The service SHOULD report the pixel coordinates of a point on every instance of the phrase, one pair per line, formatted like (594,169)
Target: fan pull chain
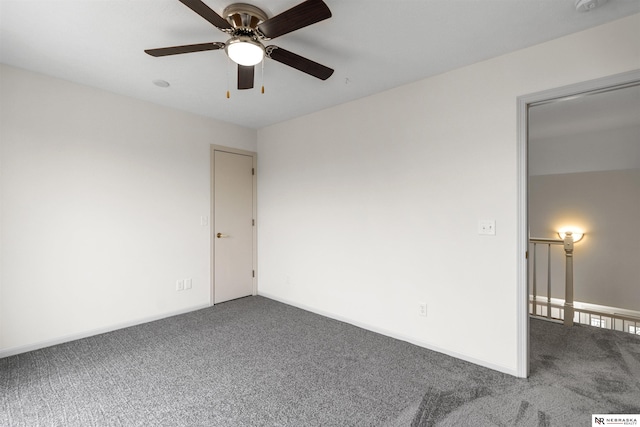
(263,76)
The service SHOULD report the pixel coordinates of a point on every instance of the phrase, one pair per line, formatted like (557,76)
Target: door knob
(220,235)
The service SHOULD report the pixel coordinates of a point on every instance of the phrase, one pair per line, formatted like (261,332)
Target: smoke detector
(587,5)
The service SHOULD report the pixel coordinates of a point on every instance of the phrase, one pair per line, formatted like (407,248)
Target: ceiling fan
(248,26)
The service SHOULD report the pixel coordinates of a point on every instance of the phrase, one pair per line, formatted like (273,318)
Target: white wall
(370,207)
(101,199)
(606,206)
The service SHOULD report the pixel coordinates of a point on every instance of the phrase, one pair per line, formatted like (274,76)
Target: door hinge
(253,222)
(253,273)
(526,255)
(253,171)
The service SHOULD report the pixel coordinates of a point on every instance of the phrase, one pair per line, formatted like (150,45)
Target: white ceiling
(373,45)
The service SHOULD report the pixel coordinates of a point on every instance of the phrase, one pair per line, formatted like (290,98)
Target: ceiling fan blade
(298,62)
(175,50)
(302,15)
(245,76)
(207,13)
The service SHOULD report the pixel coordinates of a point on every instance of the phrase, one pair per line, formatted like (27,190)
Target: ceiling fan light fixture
(245,51)
(247,27)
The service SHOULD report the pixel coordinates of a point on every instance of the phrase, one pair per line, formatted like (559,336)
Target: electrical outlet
(422,309)
(180,285)
(187,284)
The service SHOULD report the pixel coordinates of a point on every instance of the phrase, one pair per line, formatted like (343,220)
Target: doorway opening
(525,105)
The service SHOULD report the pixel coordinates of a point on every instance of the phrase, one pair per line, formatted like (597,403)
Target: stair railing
(567,244)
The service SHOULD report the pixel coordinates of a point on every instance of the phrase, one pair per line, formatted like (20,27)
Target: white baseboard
(391,334)
(72,337)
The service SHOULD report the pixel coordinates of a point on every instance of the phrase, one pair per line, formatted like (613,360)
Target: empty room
(318,213)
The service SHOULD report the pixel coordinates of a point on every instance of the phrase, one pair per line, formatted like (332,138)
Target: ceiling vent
(587,5)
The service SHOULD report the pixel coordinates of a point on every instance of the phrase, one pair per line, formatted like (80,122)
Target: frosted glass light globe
(245,51)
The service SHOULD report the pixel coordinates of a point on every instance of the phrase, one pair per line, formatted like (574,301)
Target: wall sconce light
(577,235)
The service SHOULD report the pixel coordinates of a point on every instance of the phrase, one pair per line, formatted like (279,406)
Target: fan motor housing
(244,15)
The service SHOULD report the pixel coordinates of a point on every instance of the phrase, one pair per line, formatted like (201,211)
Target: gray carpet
(257,362)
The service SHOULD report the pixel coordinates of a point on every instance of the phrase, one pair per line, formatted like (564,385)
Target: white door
(233,226)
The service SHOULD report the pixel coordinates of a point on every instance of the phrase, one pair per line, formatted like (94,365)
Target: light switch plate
(487,227)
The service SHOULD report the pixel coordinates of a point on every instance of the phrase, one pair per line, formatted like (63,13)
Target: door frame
(254,162)
(603,84)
